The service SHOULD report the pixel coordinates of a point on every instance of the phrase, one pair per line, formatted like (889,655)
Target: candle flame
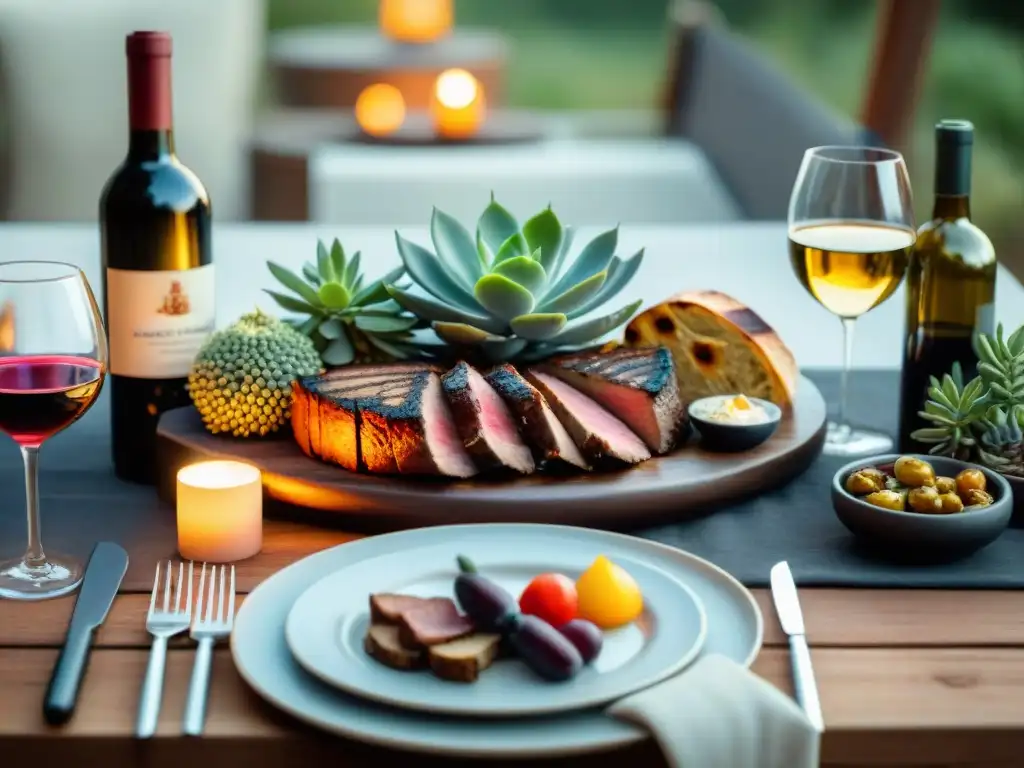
(380,109)
(218,474)
(456,88)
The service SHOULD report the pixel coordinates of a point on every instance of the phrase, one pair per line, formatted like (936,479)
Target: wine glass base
(843,440)
(59,575)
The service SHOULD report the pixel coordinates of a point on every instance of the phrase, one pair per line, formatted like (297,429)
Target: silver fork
(206,629)
(162,624)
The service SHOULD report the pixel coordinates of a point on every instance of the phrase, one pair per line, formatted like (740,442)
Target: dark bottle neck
(953,174)
(150,122)
(150,145)
(952,207)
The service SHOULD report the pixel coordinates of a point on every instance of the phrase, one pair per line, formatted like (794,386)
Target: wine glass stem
(844,382)
(34,556)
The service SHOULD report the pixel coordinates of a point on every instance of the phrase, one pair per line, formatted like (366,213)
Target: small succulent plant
(347,320)
(983,420)
(511,291)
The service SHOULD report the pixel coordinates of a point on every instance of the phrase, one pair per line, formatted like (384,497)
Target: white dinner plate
(326,627)
(263,660)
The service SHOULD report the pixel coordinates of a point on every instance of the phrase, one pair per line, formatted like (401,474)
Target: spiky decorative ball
(241,379)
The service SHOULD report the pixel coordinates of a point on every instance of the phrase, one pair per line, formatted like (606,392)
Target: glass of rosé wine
(53,358)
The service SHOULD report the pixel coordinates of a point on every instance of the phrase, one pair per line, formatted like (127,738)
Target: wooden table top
(907,677)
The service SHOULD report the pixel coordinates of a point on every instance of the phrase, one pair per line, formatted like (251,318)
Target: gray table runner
(83,502)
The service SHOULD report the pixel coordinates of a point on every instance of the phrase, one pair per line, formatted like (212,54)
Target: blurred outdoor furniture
(903,41)
(750,119)
(65,105)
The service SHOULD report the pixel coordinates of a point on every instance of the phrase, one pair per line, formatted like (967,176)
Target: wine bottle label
(156,321)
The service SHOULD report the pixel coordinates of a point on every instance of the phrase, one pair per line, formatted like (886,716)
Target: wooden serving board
(687,481)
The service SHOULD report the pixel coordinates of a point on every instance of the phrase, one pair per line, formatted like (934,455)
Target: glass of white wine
(851,231)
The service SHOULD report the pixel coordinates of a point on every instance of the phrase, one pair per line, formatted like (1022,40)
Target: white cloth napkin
(718,714)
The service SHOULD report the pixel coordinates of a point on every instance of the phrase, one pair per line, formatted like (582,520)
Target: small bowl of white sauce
(734,422)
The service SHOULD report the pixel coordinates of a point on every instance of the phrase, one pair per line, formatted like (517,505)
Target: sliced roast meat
(422,431)
(382,419)
(548,440)
(599,435)
(387,607)
(433,624)
(484,422)
(638,385)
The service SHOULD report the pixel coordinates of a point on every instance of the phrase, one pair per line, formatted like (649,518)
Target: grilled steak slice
(542,431)
(387,607)
(484,422)
(637,385)
(432,624)
(381,419)
(597,433)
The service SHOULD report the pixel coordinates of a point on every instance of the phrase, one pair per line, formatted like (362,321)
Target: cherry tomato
(551,597)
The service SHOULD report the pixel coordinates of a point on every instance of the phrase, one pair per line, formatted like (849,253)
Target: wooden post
(902,44)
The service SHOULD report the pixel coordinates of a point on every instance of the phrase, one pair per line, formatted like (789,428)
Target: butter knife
(787,605)
(107,565)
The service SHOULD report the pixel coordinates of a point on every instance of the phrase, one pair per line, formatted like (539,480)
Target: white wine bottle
(157,264)
(951,282)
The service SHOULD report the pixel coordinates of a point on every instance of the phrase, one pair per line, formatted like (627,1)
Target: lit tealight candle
(458,104)
(380,109)
(415,21)
(220,511)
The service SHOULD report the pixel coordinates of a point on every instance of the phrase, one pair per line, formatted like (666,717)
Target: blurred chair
(752,121)
(64,101)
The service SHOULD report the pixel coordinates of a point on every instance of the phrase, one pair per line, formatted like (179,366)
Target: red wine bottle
(158,292)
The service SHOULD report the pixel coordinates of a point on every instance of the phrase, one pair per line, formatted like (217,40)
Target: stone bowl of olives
(922,507)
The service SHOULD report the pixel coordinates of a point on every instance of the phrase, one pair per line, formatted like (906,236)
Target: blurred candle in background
(380,109)
(220,511)
(415,21)
(458,104)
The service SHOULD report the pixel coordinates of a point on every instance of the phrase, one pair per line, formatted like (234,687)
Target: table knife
(107,565)
(787,605)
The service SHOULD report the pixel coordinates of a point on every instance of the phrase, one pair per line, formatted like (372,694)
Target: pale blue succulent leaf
(331,328)
(595,257)
(384,323)
(324,265)
(351,271)
(495,226)
(292,304)
(538,326)
(290,280)
(431,309)
(524,271)
(463,334)
(555,269)
(430,274)
(594,329)
(510,249)
(544,232)
(455,248)
(338,261)
(309,272)
(503,351)
(576,296)
(503,298)
(376,292)
(619,274)
(484,253)
(339,351)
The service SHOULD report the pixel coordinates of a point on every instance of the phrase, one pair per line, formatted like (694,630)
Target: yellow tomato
(608,596)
